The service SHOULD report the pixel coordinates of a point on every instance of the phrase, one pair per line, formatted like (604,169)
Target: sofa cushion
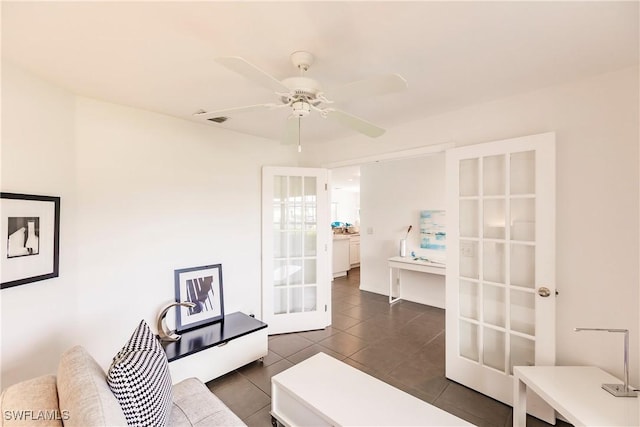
(139,378)
(83,391)
(31,403)
(194,405)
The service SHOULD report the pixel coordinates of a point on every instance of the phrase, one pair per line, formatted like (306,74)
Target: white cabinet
(210,351)
(340,255)
(346,253)
(354,251)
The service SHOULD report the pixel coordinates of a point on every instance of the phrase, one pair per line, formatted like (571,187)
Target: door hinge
(326,186)
(325,307)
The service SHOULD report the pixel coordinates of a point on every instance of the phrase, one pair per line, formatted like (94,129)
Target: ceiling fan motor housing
(302,87)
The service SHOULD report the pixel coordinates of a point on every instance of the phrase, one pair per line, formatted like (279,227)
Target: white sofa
(79,395)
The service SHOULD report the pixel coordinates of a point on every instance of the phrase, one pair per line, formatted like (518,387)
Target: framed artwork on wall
(30,229)
(203,287)
(433,233)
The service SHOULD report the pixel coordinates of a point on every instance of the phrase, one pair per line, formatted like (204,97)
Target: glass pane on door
(523,316)
(523,352)
(523,272)
(296,300)
(469,300)
(494,262)
(494,305)
(280,301)
(469,218)
(469,259)
(310,298)
(523,221)
(469,343)
(493,182)
(469,170)
(494,219)
(493,349)
(522,173)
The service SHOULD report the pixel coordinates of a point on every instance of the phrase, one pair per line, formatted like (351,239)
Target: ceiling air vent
(220,119)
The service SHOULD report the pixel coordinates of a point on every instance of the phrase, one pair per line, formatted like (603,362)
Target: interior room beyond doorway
(384,198)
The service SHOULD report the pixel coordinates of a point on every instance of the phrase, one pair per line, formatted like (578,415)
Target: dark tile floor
(402,344)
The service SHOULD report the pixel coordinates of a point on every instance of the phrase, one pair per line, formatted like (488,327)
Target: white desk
(576,393)
(322,391)
(409,263)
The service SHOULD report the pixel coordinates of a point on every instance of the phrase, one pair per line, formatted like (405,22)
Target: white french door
(500,285)
(296,231)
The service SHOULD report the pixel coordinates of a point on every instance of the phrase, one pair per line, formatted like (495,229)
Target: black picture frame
(202,286)
(30,229)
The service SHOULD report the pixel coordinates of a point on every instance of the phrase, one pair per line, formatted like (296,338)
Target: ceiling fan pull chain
(299,145)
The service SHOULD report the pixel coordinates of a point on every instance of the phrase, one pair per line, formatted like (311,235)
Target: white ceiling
(159,56)
(346,178)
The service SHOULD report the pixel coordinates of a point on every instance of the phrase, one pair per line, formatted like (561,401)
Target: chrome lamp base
(619,390)
(163,333)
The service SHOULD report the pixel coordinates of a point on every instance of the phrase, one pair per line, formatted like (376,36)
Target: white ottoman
(322,391)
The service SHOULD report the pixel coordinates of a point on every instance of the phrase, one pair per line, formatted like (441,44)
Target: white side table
(576,393)
(408,263)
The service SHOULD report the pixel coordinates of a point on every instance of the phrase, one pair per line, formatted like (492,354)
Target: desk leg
(391,298)
(519,403)
(390,285)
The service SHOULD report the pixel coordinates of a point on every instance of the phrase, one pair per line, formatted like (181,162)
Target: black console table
(213,350)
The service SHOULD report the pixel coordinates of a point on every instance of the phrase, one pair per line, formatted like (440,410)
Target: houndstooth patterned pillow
(139,378)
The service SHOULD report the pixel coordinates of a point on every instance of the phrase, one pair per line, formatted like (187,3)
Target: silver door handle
(544,292)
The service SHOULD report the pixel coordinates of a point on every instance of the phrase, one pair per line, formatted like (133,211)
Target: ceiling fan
(304,96)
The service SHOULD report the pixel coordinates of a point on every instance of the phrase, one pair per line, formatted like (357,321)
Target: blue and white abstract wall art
(433,233)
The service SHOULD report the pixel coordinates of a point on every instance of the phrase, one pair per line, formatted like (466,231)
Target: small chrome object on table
(162,325)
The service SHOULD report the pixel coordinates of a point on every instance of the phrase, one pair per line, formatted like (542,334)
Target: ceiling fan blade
(378,85)
(355,123)
(291,131)
(253,73)
(233,111)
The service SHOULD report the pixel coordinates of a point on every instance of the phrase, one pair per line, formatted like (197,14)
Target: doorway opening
(345,220)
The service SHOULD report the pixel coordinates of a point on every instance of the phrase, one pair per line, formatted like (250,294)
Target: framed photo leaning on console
(203,287)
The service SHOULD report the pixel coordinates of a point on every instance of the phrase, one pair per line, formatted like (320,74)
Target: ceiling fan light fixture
(300,108)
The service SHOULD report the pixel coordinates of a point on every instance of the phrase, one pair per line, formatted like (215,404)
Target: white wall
(392,195)
(38,122)
(596,121)
(142,194)
(348,205)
